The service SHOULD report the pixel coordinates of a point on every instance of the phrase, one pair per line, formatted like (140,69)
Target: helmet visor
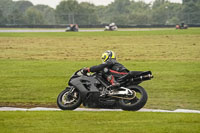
(104,57)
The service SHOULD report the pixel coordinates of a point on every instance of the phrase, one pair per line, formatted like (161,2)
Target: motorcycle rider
(111,26)
(73,27)
(111,69)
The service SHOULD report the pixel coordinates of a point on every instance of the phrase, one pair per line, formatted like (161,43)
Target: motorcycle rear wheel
(136,103)
(69,99)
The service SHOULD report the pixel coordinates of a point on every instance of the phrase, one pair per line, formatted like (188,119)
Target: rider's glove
(85,71)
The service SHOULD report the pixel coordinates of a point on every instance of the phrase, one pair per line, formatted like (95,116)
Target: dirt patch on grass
(158,47)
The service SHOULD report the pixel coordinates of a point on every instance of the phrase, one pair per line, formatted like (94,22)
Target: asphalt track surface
(81,30)
(90,109)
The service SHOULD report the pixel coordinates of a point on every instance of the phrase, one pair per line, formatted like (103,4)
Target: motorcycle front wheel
(137,102)
(69,99)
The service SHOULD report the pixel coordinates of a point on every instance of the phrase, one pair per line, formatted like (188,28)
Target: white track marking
(90,109)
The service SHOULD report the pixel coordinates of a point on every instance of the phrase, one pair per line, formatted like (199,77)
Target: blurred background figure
(111,27)
(72,27)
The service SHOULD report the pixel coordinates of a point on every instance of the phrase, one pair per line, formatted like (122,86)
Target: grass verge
(101,122)
(38,83)
(34,67)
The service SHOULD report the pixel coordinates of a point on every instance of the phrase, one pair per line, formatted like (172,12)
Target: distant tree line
(122,12)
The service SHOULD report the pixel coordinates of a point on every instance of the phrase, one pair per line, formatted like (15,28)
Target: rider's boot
(114,86)
(114,83)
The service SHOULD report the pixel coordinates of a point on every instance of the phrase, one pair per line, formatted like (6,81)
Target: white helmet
(112,24)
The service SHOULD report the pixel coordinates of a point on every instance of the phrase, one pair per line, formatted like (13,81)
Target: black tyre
(69,99)
(136,103)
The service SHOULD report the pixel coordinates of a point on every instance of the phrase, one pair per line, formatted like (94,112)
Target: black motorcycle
(94,91)
(73,27)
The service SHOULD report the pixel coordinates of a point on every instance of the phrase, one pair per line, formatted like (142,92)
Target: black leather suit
(111,70)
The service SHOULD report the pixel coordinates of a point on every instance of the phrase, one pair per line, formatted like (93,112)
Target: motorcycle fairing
(85,85)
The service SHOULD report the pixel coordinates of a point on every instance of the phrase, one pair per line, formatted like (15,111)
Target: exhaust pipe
(146,75)
(143,77)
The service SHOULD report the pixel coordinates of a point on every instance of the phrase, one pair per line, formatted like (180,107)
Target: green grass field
(98,122)
(35,68)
